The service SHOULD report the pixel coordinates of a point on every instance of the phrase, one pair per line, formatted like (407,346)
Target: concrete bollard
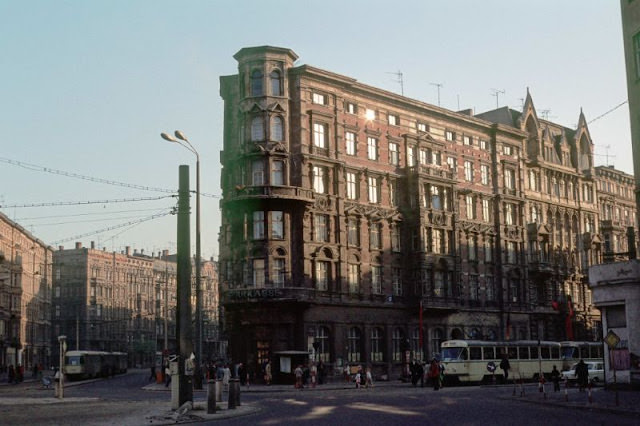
(219,390)
(232,393)
(211,397)
(236,384)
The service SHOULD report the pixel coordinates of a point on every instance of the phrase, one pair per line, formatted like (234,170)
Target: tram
(89,364)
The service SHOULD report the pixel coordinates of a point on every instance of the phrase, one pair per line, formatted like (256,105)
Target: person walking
(267,374)
(555,378)
(153,373)
(505,366)
(298,374)
(226,376)
(167,376)
(313,371)
(368,382)
(582,374)
(434,374)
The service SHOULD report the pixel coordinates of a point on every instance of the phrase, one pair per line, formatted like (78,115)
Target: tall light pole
(182,140)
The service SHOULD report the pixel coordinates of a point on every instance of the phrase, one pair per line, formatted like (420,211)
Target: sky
(87,87)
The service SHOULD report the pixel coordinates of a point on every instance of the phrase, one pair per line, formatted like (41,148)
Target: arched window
(355,344)
(257,129)
(396,341)
(377,347)
(416,349)
(322,340)
(436,340)
(276,83)
(276,129)
(256,83)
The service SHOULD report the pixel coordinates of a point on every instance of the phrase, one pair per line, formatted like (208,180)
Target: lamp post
(182,140)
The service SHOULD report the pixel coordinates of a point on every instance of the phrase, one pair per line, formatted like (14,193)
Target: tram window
(596,352)
(513,353)
(523,353)
(534,352)
(555,353)
(584,352)
(544,351)
(489,353)
(475,353)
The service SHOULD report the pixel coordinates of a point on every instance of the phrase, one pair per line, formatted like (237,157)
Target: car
(596,372)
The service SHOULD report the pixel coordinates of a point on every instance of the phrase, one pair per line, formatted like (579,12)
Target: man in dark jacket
(582,374)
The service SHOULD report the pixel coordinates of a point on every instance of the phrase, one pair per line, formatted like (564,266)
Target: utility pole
(183,307)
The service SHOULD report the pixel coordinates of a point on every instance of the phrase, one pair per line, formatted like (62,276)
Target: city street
(118,400)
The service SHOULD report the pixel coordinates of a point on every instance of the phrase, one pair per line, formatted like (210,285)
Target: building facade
(25,297)
(360,225)
(122,302)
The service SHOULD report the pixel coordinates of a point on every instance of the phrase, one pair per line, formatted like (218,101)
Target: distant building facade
(25,297)
(360,225)
(121,301)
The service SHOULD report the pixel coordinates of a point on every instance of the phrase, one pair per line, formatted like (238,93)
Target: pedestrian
(368,378)
(226,376)
(505,366)
(345,373)
(413,368)
(298,373)
(152,377)
(321,372)
(358,378)
(167,376)
(434,374)
(441,375)
(420,373)
(555,378)
(314,374)
(242,374)
(12,374)
(582,374)
(267,373)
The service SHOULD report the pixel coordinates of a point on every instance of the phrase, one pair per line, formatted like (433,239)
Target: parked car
(596,372)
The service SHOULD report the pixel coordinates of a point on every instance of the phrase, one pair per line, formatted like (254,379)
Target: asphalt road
(107,402)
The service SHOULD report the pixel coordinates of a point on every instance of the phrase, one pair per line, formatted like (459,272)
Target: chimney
(165,253)
(78,245)
(93,245)
(127,250)
(60,248)
(141,252)
(135,252)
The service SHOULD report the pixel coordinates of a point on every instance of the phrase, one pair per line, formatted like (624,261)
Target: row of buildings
(358,224)
(100,300)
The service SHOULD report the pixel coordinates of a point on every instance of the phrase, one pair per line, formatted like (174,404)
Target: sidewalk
(628,401)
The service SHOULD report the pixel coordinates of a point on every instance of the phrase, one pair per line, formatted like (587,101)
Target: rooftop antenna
(399,79)
(497,93)
(606,155)
(521,104)
(544,113)
(438,85)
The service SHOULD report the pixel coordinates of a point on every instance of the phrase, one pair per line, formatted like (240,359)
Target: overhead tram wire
(43,169)
(81,203)
(18,219)
(111,228)
(608,112)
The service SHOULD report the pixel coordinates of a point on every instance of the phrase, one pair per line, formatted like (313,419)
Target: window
(471,208)
(320,135)
(484,174)
(321,227)
(437,241)
(322,339)
(395,238)
(277,225)
(472,248)
(393,194)
(507,150)
(258,225)
(396,281)
(376,344)
(352,186)
(510,179)
(375,236)
(354,343)
(411,156)
(372,148)
(436,158)
(256,83)
(449,135)
(374,190)
(424,157)
(394,155)
(319,179)
(467,140)
(277,273)
(509,214)
(474,288)
(353,232)
(468,171)
(394,120)
(257,129)
(277,172)
(453,164)
(488,251)
(423,127)
(370,114)
(416,349)
(319,98)
(276,83)
(350,139)
(258,273)
(376,279)
(616,316)
(353,277)
(483,144)
(276,129)
(489,290)
(322,275)
(397,340)
(486,212)
(351,108)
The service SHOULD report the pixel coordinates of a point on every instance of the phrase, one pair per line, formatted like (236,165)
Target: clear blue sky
(86,87)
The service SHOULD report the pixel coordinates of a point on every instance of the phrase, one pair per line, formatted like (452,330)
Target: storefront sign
(254,293)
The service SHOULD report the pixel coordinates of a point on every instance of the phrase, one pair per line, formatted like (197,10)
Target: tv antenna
(399,79)
(606,155)
(438,85)
(544,113)
(497,93)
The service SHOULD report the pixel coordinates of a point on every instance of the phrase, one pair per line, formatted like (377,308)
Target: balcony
(432,170)
(241,192)
(270,294)
(612,225)
(440,304)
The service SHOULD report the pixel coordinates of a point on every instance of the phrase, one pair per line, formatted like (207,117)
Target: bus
(477,361)
(572,352)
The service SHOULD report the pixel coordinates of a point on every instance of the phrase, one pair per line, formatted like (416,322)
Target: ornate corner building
(358,223)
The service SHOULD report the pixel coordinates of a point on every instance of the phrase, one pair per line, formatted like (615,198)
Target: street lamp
(182,140)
